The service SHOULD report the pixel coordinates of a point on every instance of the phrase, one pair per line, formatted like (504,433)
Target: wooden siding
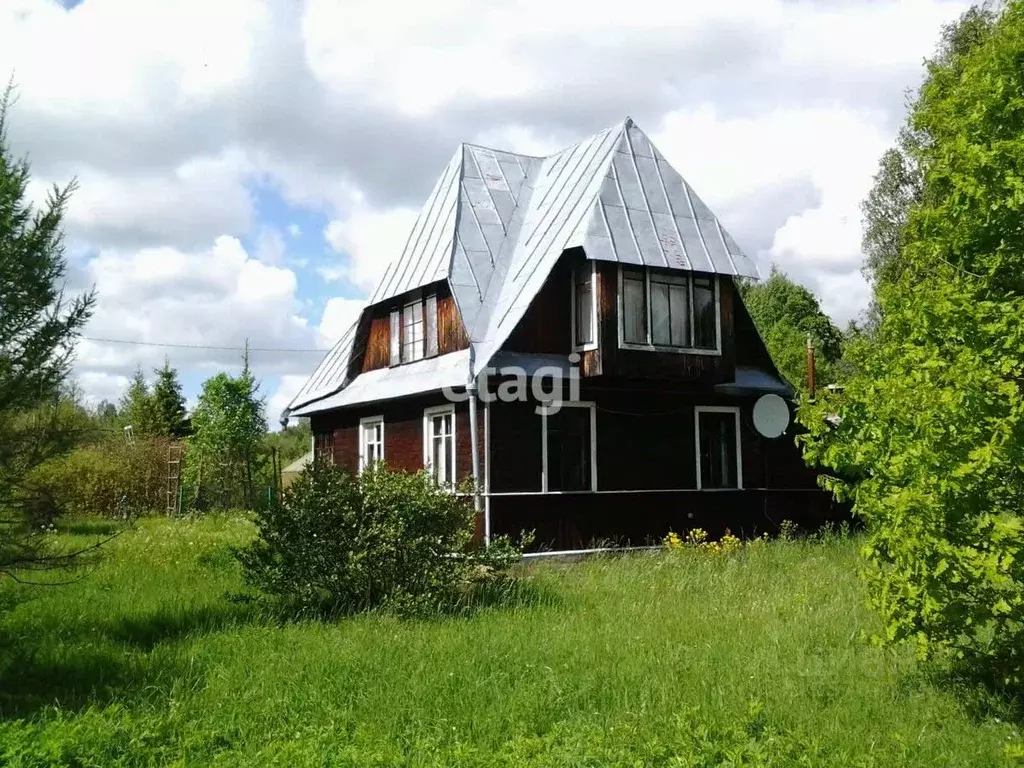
(645,441)
(403,434)
(377,344)
(451,331)
(546,327)
(646,364)
(578,521)
(372,349)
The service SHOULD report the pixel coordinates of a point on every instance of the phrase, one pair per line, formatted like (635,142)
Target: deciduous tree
(930,441)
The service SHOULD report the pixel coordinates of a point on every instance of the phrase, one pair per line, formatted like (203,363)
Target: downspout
(471,390)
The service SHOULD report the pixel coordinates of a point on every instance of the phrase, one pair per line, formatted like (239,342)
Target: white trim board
(544,445)
(735,410)
(428,413)
(363,423)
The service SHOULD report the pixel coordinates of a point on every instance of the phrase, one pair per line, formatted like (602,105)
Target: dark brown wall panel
(378,344)
(403,434)
(451,332)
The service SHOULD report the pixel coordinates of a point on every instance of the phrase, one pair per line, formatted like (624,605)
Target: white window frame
(593,305)
(428,414)
(544,445)
(363,424)
(651,347)
(733,409)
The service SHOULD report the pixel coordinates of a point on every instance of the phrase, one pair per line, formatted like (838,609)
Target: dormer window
(584,307)
(668,311)
(414,330)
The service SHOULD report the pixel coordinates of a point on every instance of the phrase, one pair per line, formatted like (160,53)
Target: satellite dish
(771,415)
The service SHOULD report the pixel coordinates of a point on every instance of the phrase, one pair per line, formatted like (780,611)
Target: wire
(197,346)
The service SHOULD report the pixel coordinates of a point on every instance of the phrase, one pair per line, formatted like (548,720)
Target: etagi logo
(545,385)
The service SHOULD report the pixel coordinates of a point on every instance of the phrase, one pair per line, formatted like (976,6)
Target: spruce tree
(168,404)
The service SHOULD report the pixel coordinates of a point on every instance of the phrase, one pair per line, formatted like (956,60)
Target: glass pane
(704,333)
(680,316)
(718,450)
(584,308)
(634,310)
(569,450)
(412,332)
(659,314)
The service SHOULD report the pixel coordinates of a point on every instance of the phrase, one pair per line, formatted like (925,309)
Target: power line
(197,346)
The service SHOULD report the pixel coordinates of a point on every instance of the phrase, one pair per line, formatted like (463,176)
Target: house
(566,330)
(293,471)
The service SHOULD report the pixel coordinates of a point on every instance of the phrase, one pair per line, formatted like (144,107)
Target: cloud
(288,387)
(173,113)
(196,302)
(338,315)
(371,240)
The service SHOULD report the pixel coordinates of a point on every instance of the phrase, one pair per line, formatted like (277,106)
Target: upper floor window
(414,330)
(584,307)
(672,311)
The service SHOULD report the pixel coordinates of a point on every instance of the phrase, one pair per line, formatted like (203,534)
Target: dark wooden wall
(372,349)
(403,434)
(546,327)
(577,521)
(645,441)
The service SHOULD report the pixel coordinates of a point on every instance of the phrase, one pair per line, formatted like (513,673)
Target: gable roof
(496,223)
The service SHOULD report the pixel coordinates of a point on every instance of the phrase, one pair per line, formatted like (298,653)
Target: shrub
(93,479)
(393,540)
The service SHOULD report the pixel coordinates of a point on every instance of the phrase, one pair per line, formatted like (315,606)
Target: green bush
(385,539)
(93,479)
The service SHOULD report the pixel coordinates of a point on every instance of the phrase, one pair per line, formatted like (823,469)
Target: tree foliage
(785,314)
(168,404)
(38,326)
(224,453)
(898,183)
(136,407)
(930,445)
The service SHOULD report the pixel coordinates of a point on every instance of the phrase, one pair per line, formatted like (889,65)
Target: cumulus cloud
(371,240)
(174,114)
(206,303)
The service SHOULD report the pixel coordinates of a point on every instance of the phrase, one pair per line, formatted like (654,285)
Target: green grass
(754,658)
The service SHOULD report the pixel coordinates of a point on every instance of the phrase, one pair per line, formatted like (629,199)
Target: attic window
(414,330)
(584,308)
(668,311)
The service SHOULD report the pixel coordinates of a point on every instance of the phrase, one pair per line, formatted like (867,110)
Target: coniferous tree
(137,410)
(39,323)
(168,404)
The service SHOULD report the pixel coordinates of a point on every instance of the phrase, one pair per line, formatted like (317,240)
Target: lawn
(692,659)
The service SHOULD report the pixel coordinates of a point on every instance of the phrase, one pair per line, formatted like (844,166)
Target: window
(634,306)
(584,307)
(668,311)
(323,446)
(414,332)
(569,451)
(371,441)
(719,462)
(439,443)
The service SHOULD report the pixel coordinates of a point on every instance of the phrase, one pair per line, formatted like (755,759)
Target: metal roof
(496,223)
(426,375)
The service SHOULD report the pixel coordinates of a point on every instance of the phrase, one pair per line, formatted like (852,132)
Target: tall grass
(692,659)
